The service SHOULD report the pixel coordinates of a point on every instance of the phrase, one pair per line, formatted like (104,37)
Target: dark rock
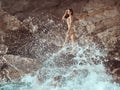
(9,22)
(3,49)
(23,65)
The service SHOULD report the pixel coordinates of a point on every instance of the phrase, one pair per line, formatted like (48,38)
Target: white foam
(87,76)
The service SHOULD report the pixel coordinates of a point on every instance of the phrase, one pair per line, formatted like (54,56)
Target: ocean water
(80,68)
(84,71)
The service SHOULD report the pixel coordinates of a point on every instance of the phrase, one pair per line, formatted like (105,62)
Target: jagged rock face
(100,23)
(23,8)
(22,66)
(103,23)
(98,26)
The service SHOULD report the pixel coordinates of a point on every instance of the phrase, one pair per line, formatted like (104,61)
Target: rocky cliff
(33,28)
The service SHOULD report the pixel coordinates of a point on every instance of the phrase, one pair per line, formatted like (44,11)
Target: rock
(12,23)
(3,49)
(22,9)
(9,22)
(110,37)
(44,34)
(2,35)
(97,22)
(90,27)
(24,66)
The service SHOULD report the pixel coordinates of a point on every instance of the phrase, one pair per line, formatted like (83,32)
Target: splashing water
(81,69)
(78,69)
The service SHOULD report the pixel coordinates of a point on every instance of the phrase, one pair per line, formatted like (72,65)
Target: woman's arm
(63,18)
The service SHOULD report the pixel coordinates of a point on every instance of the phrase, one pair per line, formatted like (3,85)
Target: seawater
(86,73)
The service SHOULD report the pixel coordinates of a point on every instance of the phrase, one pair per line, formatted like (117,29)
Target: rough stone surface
(3,49)
(8,22)
(23,65)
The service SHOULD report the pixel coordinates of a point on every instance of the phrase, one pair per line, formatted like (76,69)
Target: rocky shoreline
(23,31)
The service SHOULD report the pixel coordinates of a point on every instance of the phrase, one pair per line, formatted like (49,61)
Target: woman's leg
(73,39)
(66,38)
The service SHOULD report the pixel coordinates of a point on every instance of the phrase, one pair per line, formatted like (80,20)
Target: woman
(68,16)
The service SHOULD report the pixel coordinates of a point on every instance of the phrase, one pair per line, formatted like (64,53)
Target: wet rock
(23,65)
(2,35)
(90,27)
(44,34)
(110,36)
(100,22)
(3,49)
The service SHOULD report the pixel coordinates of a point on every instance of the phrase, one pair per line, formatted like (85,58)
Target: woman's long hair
(67,15)
(71,10)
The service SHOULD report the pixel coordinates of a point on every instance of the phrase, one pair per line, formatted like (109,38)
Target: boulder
(3,49)
(21,66)
(9,22)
